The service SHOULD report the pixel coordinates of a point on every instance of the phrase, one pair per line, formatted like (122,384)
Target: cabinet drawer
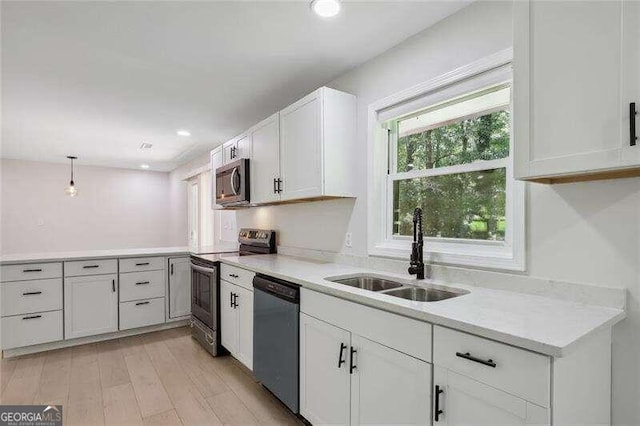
(403,334)
(141,285)
(24,297)
(90,267)
(516,371)
(237,276)
(135,264)
(30,271)
(141,313)
(25,330)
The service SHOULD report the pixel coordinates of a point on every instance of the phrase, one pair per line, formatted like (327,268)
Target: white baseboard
(9,353)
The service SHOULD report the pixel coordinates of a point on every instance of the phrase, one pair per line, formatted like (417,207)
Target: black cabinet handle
(172,269)
(340,360)
(231,300)
(31,293)
(279,185)
(234,276)
(235,301)
(32,317)
(437,411)
(142,303)
(143,282)
(113,285)
(275,185)
(467,355)
(91,266)
(632,124)
(32,270)
(142,264)
(352,366)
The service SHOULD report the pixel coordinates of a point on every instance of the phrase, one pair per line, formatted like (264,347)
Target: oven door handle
(234,173)
(201,269)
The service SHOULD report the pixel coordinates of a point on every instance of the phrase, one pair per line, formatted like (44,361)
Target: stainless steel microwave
(232,183)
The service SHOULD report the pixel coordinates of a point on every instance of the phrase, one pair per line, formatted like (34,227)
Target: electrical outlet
(347,239)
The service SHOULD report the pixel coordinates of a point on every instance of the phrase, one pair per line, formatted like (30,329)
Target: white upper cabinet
(265,162)
(237,148)
(216,161)
(575,73)
(317,139)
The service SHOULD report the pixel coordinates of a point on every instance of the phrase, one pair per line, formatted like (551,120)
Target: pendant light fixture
(71,190)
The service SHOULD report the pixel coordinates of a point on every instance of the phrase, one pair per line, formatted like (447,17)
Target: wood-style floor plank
(151,395)
(84,405)
(167,418)
(55,378)
(113,369)
(120,406)
(231,410)
(24,382)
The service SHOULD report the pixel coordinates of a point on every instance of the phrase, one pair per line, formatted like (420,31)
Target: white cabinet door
(630,80)
(90,305)
(464,401)
(244,309)
(301,148)
(228,151)
(567,88)
(179,287)
(388,387)
(265,161)
(243,147)
(216,161)
(324,372)
(228,317)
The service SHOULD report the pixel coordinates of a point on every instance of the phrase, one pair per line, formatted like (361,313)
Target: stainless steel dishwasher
(276,311)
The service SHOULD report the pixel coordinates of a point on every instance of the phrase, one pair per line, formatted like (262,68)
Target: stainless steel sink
(420,294)
(368,283)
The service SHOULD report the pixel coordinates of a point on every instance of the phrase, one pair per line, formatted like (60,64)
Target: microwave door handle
(233,181)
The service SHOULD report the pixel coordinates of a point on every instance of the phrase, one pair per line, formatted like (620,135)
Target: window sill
(485,256)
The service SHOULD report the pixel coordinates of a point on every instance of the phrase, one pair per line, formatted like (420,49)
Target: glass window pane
(458,132)
(462,205)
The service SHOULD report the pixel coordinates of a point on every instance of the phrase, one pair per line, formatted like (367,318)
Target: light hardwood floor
(161,378)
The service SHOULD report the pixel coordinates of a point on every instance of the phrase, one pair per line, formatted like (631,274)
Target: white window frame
(508,254)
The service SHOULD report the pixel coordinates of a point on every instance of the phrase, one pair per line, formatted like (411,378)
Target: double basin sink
(398,289)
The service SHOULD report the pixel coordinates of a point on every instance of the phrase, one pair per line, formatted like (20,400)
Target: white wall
(584,233)
(115,208)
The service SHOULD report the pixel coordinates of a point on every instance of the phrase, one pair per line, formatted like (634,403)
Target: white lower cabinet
(347,379)
(236,317)
(325,382)
(463,401)
(141,313)
(90,305)
(179,287)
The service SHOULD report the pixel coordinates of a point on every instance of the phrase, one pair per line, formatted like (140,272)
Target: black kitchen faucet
(416,264)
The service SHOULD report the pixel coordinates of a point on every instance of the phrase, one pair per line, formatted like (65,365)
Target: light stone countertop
(546,325)
(95,254)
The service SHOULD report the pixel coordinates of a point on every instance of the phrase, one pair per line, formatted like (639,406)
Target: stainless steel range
(205,285)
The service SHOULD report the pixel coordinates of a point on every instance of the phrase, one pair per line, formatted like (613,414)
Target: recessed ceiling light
(183,133)
(326,8)
(144,166)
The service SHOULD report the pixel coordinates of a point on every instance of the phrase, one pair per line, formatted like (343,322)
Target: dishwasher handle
(277,288)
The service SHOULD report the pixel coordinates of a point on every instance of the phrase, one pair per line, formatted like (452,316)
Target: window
(448,150)
(451,160)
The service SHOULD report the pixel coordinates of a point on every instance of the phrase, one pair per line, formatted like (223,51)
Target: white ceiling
(96,79)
